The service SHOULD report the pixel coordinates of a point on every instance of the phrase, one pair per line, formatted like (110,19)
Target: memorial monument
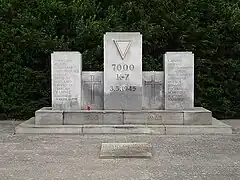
(123,98)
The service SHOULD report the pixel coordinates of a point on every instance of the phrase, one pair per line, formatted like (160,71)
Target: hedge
(31,29)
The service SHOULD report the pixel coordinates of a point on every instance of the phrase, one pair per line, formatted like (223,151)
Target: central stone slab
(123,71)
(126,150)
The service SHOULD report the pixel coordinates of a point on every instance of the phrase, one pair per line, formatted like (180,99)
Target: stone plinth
(197,116)
(216,127)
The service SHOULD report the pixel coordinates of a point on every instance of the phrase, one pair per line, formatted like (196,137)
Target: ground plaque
(179,80)
(66,80)
(126,150)
(123,71)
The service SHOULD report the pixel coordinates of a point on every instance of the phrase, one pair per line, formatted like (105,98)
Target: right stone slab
(179,80)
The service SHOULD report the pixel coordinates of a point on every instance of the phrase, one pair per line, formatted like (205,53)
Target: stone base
(197,116)
(217,127)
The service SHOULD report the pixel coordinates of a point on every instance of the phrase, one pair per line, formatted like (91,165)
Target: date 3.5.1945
(122,88)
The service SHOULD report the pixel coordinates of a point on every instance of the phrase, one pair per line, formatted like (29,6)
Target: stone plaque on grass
(123,71)
(179,80)
(66,70)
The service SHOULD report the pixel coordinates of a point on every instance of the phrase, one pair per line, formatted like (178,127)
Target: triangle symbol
(123,47)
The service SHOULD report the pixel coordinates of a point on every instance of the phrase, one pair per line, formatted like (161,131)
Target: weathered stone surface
(139,129)
(217,127)
(66,70)
(179,80)
(153,90)
(123,71)
(92,89)
(48,116)
(93,117)
(113,117)
(98,129)
(153,117)
(118,150)
(123,129)
(198,116)
(83,118)
(48,130)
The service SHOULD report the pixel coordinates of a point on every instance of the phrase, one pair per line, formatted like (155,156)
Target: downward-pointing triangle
(123,47)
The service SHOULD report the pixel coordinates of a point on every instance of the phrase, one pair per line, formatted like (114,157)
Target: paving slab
(235,123)
(126,150)
(8,126)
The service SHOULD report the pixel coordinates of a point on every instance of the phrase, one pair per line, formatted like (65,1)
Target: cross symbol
(153,85)
(93,83)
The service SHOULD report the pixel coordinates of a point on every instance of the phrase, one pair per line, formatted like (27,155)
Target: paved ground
(76,157)
(235,123)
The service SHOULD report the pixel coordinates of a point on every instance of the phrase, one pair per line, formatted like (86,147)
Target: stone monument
(66,80)
(123,99)
(179,80)
(123,71)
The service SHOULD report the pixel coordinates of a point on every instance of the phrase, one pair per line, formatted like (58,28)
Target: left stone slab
(66,68)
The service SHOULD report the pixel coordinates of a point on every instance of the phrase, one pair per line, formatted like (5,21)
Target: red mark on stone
(88,107)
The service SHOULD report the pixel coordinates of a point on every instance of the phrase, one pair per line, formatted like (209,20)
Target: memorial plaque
(66,70)
(92,89)
(153,90)
(179,80)
(123,71)
(126,150)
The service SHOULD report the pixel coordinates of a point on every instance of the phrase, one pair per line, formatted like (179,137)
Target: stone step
(196,116)
(217,127)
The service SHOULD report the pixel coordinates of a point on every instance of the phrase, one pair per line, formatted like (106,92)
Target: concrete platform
(217,127)
(196,116)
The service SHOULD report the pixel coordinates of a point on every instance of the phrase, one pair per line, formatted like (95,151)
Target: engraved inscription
(122,67)
(123,88)
(175,89)
(179,80)
(61,81)
(154,117)
(123,77)
(91,117)
(123,47)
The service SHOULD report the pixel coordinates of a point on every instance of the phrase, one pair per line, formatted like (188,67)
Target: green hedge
(31,29)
